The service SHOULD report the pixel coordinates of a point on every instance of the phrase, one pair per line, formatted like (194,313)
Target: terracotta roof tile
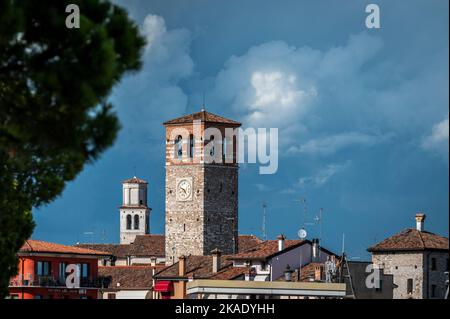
(202,116)
(229,272)
(245,242)
(411,240)
(197,267)
(130,277)
(143,245)
(148,245)
(38,246)
(266,249)
(119,251)
(154,245)
(134,180)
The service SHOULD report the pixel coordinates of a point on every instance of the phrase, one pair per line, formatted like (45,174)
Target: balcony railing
(54,282)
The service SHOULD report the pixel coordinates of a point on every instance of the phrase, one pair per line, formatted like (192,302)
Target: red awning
(163,286)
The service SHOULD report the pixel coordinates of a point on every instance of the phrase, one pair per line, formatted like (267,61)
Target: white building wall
(295,258)
(128,294)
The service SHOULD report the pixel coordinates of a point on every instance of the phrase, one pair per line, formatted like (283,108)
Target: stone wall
(221,209)
(209,219)
(416,266)
(403,266)
(435,277)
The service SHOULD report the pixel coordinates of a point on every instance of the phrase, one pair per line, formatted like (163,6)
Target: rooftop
(267,249)
(128,277)
(134,180)
(144,245)
(154,245)
(201,267)
(411,240)
(202,116)
(38,246)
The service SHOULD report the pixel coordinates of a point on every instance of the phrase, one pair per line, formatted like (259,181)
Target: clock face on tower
(184,189)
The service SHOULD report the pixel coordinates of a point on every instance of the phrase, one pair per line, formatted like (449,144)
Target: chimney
(420,219)
(182,266)
(318,273)
(281,239)
(315,249)
(216,260)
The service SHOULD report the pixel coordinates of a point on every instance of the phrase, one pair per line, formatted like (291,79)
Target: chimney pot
(281,239)
(315,249)
(182,266)
(216,253)
(420,221)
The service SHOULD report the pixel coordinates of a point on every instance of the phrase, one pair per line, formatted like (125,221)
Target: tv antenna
(302,201)
(264,230)
(90,233)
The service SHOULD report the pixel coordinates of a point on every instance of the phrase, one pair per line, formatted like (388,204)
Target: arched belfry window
(128,221)
(224,149)
(136,221)
(179,146)
(191,146)
(213,147)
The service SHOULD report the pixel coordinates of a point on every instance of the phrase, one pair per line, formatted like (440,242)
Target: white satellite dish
(302,233)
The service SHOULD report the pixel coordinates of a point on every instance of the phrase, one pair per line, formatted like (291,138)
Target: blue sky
(362,116)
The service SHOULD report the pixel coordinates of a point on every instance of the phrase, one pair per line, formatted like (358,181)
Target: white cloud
(154,95)
(262,187)
(320,178)
(323,175)
(166,55)
(333,143)
(437,141)
(277,85)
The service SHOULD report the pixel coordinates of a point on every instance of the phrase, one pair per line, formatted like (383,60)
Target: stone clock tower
(201,194)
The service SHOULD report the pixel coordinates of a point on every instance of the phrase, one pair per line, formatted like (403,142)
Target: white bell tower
(134,212)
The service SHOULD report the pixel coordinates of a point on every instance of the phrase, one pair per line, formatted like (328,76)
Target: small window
(85,271)
(128,221)
(136,221)
(62,271)
(184,227)
(43,268)
(409,286)
(111,296)
(433,264)
(433,291)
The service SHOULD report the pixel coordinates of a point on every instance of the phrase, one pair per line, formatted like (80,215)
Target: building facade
(134,211)
(42,272)
(201,186)
(417,259)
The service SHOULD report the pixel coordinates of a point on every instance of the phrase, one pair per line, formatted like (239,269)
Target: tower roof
(203,116)
(411,240)
(134,180)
